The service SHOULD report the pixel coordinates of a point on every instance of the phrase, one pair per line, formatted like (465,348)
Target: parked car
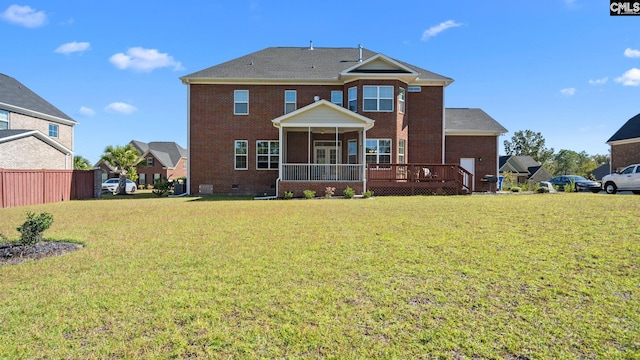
(111,185)
(580,183)
(627,179)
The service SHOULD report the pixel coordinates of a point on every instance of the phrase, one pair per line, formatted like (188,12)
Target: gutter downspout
(188,137)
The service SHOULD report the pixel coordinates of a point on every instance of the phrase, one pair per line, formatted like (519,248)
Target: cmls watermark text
(617,8)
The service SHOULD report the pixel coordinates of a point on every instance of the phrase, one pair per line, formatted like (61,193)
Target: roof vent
(310,44)
(316,98)
(359,52)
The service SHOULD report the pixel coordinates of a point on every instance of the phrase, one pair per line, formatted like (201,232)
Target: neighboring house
(33,133)
(161,160)
(601,171)
(625,144)
(524,169)
(289,119)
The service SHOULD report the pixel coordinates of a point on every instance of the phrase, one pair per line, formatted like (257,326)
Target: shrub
(542,190)
(348,193)
(329,191)
(367,194)
(309,194)
(288,195)
(32,229)
(515,189)
(161,187)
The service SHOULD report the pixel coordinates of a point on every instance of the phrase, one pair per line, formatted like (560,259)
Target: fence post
(97,183)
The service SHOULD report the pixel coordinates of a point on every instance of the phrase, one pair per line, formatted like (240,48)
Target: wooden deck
(418,179)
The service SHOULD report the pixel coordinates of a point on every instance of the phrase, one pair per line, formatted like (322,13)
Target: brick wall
(476,147)
(424,121)
(625,154)
(23,122)
(32,153)
(298,188)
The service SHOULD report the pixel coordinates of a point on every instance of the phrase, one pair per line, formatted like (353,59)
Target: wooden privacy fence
(33,187)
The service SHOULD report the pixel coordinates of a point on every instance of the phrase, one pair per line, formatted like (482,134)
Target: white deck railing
(318,172)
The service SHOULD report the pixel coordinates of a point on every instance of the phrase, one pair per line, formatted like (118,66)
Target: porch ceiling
(323,114)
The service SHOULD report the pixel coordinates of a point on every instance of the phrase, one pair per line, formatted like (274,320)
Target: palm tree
(80,163)
(122,158)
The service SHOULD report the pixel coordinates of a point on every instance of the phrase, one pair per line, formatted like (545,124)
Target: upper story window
(290,102)
(377,98)
(267,154)
(336,97)
(401,97)
(241,152)
(53,130)
(241,102)
(4,120)
(149,161)
(353,99)
(378,151)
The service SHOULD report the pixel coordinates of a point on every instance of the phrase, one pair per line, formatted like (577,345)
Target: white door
(469,164)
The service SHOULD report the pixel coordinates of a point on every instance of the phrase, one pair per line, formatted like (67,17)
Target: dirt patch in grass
(17,253)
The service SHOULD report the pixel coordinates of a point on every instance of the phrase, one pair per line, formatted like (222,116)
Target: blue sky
(564,68)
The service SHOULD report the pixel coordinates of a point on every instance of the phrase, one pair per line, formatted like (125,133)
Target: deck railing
(420,175)
(321,172)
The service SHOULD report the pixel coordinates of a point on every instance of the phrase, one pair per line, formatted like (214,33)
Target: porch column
(282,153)
(363,155)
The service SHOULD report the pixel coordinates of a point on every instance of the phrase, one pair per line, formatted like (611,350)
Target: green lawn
(537,276)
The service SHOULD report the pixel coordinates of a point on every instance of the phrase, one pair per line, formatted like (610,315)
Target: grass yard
(553,276)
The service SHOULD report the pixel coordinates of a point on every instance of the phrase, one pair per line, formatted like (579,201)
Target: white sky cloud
(435,30)
(631,53)
(141,59)
(630,78)
(72,47)
(24,16)
(85,111)
(121,108)
(599,81)
(568,91)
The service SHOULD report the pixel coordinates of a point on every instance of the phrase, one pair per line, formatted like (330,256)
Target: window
(401,151)
(401,96)
(353,99)
(378,151)
(241,153)
(156,178)
(241,102)
(289,101)
(4,120)
(142,179)
(353,151)
(414,89)
(336,97)
(377,98)
(267,154)
(149,161)
(53,130)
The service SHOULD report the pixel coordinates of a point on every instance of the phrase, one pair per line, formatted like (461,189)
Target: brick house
(625,144)
(289,119)
(33,133)
(161,160)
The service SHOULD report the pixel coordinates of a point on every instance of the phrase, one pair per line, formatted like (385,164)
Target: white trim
(444,124)
(235,142)
(40,136)
(624,141)
(189,139)
(461,132)
(240,102)
(378,98)
(365,121)
(295,102)
(268,155)
(23,111)
(347,72)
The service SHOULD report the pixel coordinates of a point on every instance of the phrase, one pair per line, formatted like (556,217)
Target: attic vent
(310,44)
(359,52)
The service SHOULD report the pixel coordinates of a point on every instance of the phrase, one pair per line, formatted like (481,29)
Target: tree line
(528,142)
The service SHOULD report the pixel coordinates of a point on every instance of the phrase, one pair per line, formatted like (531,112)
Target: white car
(111,185)
(626,180)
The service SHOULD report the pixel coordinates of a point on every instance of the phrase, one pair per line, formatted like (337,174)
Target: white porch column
(281,150)
(364,159)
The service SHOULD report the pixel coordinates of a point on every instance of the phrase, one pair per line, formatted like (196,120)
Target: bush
(309,194)
(161,187)
(32,229)
(288,195)
(329,191)
(367,194)
(542,190)
(515,189)
(348,193)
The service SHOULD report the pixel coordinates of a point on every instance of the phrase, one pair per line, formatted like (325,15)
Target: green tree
(566,162)
(601,158)
(529,143)
(80,163)
(123,159)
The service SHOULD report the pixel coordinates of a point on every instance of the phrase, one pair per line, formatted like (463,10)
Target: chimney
(359,52)
(310,44)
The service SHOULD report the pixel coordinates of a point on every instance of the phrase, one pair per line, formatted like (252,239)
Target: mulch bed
(15,253)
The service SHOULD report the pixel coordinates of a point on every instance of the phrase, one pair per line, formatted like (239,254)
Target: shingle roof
(630,130)
(297,63)
(168,153)
(8,133)
(14,93)
(469,119)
